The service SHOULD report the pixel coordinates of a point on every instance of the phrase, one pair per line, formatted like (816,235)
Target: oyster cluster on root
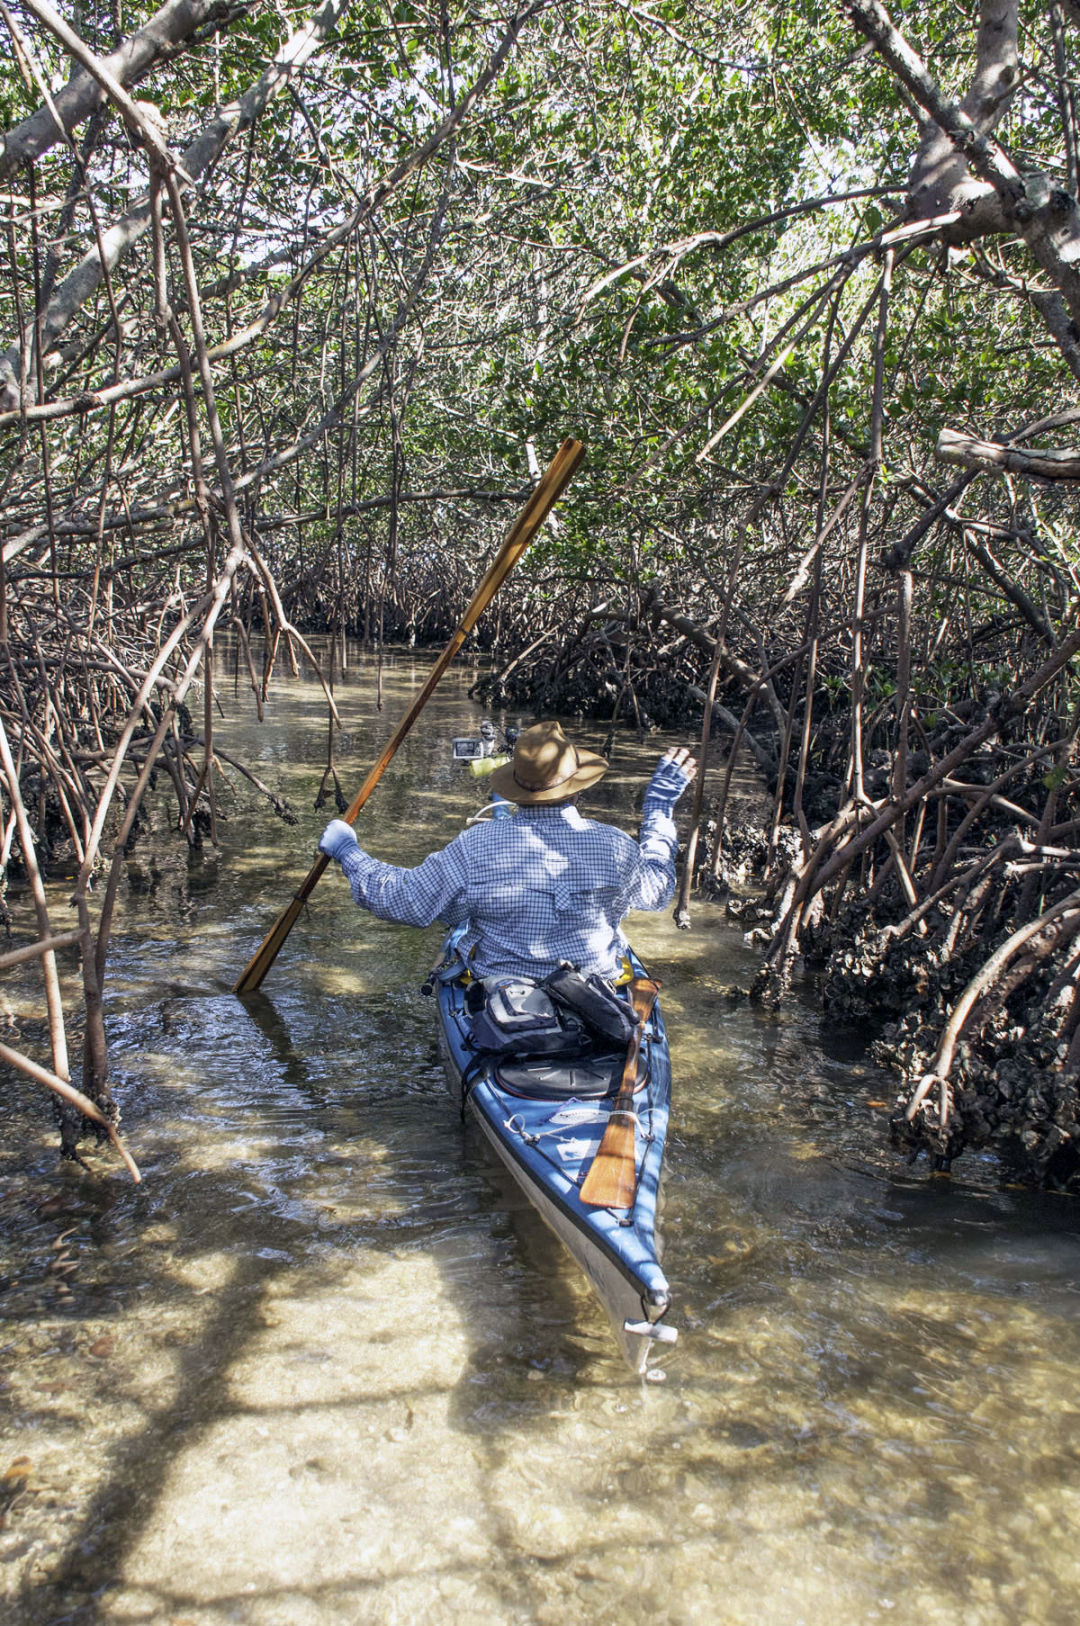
(1006,1092)
(1008,1079)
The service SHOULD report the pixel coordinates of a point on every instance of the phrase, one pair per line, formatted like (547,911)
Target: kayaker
(544,886)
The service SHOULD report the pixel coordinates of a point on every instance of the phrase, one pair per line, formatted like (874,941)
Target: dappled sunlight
(328,1462)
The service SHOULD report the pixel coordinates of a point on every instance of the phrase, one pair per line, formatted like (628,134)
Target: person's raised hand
(675,770)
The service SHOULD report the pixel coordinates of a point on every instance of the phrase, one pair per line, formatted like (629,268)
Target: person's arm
(654,882)
(433,890)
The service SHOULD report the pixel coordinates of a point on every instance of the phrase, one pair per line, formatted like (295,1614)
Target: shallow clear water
(325,1365)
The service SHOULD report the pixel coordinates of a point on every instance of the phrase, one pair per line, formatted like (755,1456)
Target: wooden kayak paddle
(518,537)
(612,1178)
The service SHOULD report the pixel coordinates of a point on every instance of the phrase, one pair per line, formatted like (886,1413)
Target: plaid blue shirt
(543,886)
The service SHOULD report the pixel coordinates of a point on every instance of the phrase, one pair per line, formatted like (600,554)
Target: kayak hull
(547,1138)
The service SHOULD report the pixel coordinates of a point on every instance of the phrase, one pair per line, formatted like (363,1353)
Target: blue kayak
(545,1118)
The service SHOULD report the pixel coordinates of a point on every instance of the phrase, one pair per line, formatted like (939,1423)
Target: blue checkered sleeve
(659,843)
(434,890)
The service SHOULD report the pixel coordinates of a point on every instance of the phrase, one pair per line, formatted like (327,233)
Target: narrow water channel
(325,1365)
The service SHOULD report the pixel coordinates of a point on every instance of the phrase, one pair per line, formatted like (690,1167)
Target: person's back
(548,885)
(543,886)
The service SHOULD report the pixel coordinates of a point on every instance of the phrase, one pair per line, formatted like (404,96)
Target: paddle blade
(267,952)
(612,1178)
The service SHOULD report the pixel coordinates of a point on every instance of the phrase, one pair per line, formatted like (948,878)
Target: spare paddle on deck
(612,1178)
(518,537)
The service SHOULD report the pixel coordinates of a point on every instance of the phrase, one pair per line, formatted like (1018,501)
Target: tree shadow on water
(300,1293)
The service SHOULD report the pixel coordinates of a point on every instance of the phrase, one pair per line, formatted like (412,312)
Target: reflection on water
(326,1366)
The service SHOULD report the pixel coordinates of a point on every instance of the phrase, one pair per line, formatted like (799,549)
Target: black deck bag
(594,1002)
(515,1016)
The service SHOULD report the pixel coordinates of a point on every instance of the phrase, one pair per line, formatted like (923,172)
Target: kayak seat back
(557,1078)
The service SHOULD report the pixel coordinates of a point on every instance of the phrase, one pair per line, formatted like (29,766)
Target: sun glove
(337,839)
(665,787)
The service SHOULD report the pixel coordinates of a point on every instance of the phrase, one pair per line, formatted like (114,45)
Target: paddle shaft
(518,537)
(612,1178)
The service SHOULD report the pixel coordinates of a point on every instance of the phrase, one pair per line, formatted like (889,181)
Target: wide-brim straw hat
(547,768)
